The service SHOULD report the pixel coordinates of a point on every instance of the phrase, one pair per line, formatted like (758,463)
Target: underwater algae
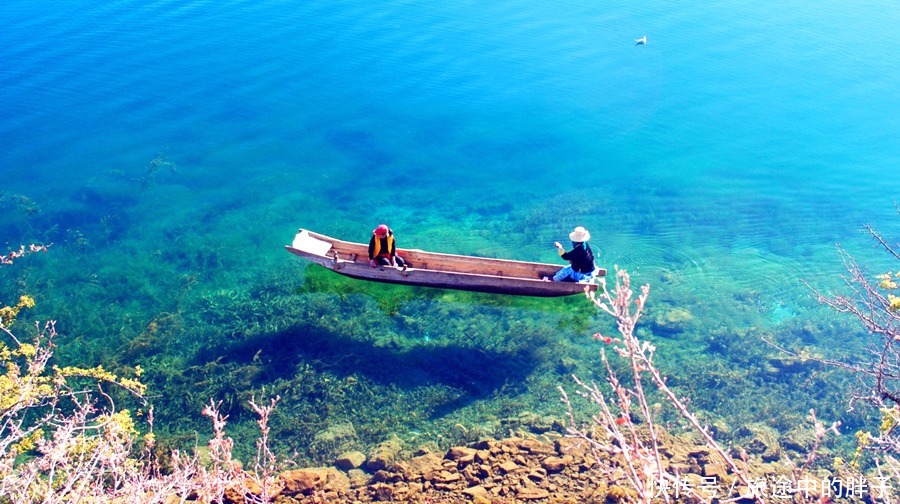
(428,365)
(425,364)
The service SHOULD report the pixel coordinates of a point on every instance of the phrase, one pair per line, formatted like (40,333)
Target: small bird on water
(641,41)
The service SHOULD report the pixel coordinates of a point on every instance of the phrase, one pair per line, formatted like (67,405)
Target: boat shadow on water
(476,373)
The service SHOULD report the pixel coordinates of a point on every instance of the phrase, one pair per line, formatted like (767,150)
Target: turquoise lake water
(170,150)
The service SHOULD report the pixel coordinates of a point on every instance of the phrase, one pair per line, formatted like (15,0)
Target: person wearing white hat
(581,258)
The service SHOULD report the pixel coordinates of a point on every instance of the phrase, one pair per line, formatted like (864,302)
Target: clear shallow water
(729,155)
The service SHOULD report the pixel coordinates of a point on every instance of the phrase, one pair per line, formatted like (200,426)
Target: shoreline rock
(515,470)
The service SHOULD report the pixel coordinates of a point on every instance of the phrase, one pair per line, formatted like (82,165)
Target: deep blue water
(747,110)
(735,149)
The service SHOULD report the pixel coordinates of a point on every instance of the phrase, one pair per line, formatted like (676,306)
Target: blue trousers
(568,274)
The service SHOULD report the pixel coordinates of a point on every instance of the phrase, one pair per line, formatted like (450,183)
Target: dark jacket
(581,257)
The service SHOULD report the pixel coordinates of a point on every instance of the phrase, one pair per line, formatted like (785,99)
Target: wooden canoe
(431,269)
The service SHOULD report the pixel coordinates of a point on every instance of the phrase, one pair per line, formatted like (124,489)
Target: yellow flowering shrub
(893,303)
(25,382)
(8,314)
(887,281)
(98,373)
(28,443)
(889,418)
(863,440)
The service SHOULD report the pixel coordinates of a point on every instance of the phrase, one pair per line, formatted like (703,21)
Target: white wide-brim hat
(580,235)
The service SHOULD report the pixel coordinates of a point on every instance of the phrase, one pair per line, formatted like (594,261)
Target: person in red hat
(383,248)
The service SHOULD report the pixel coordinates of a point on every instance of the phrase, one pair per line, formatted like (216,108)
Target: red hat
(382,229)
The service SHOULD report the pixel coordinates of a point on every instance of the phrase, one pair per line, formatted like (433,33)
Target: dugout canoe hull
(433,269)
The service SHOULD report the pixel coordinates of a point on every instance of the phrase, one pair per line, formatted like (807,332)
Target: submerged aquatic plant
(159,163)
